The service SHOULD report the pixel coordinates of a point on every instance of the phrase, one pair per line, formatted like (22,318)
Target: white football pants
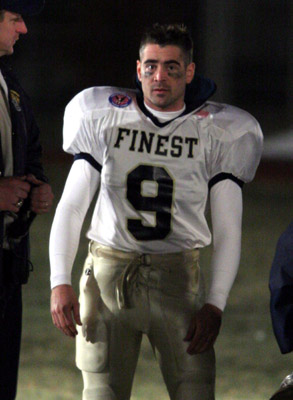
(125,295)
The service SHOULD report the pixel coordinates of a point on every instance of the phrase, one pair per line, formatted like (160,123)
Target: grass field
(249,364)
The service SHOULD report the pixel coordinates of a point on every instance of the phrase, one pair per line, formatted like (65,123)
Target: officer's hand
(41,196)
(204,329)
(13,190)
(65,309)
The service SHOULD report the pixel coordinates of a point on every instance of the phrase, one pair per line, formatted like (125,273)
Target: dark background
(245,46)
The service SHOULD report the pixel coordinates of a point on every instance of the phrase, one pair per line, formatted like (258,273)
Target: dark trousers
(10,338)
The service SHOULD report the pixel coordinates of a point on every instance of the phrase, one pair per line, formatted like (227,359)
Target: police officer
(24,191)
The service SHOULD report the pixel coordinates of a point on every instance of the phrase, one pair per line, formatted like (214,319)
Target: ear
(138,69)
(190,70)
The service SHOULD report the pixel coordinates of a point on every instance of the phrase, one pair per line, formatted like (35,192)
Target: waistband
(97,249)
(133,262)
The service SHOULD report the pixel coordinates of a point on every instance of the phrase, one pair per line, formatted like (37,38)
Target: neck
(164,116)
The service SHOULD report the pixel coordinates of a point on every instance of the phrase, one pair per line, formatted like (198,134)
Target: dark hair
(164,35)
(2,12)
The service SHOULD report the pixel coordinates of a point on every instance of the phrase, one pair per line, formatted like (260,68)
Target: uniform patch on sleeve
(15,99)
(120,100)
(202,114)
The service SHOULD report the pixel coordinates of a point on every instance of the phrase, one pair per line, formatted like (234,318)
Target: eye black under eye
(173,67)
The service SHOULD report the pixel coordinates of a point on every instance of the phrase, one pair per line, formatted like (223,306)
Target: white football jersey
(155,178)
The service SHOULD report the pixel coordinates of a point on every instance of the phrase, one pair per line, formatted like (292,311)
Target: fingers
(13,207)
(62,319)
(42,198)
(13,190)
(19,188)
(202,340)
(196,336)
(32,179)
(204,329)
(40,207)
(41,195)
(65,310)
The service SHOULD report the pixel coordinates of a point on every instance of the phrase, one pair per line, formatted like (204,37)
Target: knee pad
(92,340)
(102,393)
(96,387)
(92,349)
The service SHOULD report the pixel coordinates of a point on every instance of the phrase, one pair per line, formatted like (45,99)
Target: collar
(196,94)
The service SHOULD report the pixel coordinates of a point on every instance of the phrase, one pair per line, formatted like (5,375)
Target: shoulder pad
(102,97)
(236,139)
(232,121)
(88,107)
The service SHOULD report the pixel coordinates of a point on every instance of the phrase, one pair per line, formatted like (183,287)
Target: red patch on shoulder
(120,100)
(202,113)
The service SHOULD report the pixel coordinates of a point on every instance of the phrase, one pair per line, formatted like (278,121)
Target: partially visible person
(24,191)
(281,288)
(281,303)
(285,391)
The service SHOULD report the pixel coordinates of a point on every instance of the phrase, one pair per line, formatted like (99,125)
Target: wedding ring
(19,203)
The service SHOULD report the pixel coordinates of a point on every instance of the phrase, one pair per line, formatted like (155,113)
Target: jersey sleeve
(82,120)
(236,146)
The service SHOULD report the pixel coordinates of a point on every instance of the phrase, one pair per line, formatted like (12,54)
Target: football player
(155,156)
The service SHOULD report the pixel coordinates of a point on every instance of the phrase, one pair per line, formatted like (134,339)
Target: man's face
(11,27)
(164,75)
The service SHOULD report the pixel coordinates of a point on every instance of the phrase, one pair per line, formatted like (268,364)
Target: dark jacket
(26,159)
(281,287)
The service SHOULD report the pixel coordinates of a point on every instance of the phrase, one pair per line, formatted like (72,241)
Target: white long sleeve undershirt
(226,213)
(81,185)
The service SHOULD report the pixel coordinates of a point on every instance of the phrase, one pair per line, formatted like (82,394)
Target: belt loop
(93,248)
(90,247)
(145,259)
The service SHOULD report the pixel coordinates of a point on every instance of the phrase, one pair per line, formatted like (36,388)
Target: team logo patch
(120,100)
(88,271)
(15,99)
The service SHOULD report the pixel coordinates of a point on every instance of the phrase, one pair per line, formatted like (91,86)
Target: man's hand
(204,329)
(12,191)
(41,196)
(65,309)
